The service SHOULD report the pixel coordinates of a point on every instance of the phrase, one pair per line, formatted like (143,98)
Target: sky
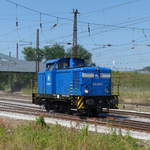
(119,34)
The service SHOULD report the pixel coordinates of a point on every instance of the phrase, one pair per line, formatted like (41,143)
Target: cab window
(50,66)
(62,65)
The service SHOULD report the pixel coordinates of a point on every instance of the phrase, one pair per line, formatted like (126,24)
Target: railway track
(105,121)
(19,105)
(131,113)
(135,104)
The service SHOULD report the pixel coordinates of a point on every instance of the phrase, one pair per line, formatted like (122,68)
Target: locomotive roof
(61,59)
(52,61)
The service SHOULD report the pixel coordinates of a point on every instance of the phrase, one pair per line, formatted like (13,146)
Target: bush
(40,121)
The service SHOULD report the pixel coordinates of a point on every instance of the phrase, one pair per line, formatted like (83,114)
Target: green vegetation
(40,121)
(147,69)
(26,91)
(82,53)
(134,87)
(11,81)
(56,51)
(35,136)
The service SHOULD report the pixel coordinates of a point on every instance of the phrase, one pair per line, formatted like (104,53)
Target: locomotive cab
(64,63)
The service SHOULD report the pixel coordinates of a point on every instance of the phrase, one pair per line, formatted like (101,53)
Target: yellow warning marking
(79,100)
(81,106)
(80,103)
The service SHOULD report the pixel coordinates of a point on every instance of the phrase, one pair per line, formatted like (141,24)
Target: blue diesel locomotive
(68,84)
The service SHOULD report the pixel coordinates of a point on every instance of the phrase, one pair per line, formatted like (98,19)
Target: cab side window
(65,65)
(50,67)
(62,65)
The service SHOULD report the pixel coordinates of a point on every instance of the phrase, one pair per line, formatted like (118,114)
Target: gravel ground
(17,95)
(138,108)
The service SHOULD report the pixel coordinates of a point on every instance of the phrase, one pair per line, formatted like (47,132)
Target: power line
(36,11)
(116,26)
(125,56)
(85,31)
(68,19)
(138,19)
(83,22)
(119,45)
(111,7)
(104,31)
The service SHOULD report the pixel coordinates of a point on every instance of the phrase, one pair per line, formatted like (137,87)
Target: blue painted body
(68,76)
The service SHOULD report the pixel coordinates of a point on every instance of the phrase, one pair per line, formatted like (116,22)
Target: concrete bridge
(11,64)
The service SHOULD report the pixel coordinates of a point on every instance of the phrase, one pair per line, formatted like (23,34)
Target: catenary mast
(74,43)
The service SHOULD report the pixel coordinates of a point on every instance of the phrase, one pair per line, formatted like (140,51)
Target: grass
(134,87)
(27,91)
(35,136)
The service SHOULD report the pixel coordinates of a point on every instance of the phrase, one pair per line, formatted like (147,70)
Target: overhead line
(68,19)
(122,4)
(36,11)
(111,7)
(85,31)
(107,30)
(116,26)
(123,44)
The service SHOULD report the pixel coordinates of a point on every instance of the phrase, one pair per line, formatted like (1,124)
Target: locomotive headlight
(86,91)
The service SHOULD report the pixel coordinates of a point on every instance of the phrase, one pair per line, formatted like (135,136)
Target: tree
(56,51)
(82,53)
(146,69)
(30,54)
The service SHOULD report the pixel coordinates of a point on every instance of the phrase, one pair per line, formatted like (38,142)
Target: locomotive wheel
(62,107)
(55,106)
(91,108)
(92,112)
(59,108)
(47,106)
